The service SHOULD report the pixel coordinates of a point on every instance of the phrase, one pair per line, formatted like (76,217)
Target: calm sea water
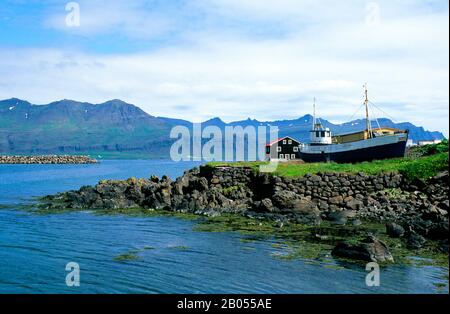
(34,249)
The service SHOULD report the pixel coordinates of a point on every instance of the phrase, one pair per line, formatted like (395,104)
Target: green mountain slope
(116,128)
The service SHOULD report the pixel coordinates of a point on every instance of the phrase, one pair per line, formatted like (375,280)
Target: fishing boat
(366,145)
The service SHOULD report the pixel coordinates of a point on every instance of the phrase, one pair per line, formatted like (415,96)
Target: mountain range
(121,129)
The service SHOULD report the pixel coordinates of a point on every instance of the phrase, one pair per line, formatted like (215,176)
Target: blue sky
(235,59)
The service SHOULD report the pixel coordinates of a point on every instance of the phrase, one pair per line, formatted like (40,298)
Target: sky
(232,59)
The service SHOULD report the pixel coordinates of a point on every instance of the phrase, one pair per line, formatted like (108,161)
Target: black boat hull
(392,150)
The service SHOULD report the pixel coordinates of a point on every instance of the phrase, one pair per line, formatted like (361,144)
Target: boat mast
(314,114)
(366,103)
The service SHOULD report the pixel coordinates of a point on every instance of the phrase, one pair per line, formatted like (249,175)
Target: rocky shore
(53,159)
(415,212)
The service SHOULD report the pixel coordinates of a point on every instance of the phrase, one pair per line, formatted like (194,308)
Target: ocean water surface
(172,258)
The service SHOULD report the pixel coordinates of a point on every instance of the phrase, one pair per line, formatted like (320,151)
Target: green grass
(427,150)
(229,190)
(420,168)
(425,167)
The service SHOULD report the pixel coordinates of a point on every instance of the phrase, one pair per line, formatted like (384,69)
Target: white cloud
(135,19)
(325,50)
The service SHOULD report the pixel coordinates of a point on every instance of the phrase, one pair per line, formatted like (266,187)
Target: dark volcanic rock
(370,249)
(304,206)
(336,200)
(285,199)
(337,217)
(266,205)
(443,246)
(394,230)
(419,207)
(354,204)
(415,241)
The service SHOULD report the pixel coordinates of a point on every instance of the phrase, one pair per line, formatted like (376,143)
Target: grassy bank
(413,168)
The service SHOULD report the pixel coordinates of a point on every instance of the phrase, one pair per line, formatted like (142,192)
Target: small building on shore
(286,148)
(410,143)
(428,142)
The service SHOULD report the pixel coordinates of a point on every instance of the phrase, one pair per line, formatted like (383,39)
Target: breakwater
(47,159)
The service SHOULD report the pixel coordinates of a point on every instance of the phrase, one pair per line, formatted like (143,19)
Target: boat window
(322,134)
(317,134)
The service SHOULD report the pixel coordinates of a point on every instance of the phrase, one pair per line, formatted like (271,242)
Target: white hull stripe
(344,147)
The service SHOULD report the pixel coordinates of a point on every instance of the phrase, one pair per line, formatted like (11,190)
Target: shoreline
(47,159)
(326,209)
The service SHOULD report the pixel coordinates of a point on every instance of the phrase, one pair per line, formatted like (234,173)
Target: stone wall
(337,197)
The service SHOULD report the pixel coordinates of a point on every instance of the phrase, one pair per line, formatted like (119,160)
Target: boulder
(285,199)
(394,230)
(356,222)
(166,196)
(181,183)
(415,241)
(443,246)
(266,205)
(370,249)
(304,206)
(354,204)
(154,179)
(336,200)
(215,180)
(341,217)
(337,218)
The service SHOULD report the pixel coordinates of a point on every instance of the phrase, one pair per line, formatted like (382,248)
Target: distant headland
(53,159)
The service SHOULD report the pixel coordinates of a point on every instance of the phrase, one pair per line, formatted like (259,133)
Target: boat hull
(384,151)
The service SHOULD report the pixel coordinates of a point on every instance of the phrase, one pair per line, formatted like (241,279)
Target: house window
(284,141)
(281,156)
(292,156)
(295,149)
(278,149)
(289,142)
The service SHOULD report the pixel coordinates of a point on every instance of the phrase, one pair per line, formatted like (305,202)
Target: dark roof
(282,138)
